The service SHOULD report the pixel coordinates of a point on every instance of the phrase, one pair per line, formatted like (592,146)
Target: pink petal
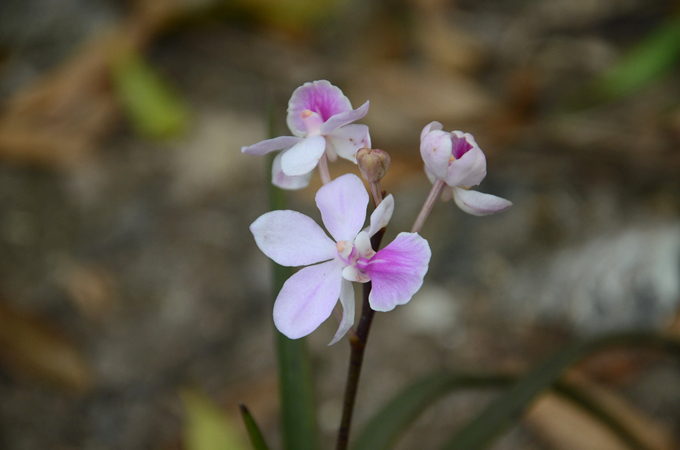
(478,204)
(397,271)
(344,118)
(430,127)
(291,238)
(435,148)
(343,203)
(467,171)
(347,301)
(382,215)
(303,157)
(320,97)
(307,299)
(346,141)
(270,145)
(283,181)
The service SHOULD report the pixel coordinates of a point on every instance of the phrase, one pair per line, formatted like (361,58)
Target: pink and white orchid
(320,116)
(456,159)
(308,297)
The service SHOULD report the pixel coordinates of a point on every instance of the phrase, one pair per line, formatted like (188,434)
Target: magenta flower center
(460,147)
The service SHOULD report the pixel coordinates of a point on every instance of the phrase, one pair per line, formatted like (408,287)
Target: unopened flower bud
(373,164)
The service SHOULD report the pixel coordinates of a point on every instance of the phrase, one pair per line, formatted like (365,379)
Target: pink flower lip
(460,146)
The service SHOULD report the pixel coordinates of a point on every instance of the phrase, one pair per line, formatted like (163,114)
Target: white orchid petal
(307,299)
(432,126)
(479,204)
(347,302)
(467,171)
(283,181)
(435,148)
(270,145)
(303,157)
(292,239)
(382,215)
(348,140)
(343,203)
(344,118)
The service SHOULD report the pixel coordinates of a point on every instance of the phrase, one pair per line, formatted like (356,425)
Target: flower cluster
(321,117)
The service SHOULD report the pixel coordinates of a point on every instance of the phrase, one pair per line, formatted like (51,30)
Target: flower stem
(356,359)
(323,169)
(427,206)
(376,193)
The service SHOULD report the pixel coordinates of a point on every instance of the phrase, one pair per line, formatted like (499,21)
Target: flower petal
(351,273)
(318,96)
(435,148)
(291,238)
(479,204)
(344,118)
(343,203)
(347,140)
(382,215)
(307,299)
(303,157)
(347,301)
(283,181)
(430,127)
(397,271)
(469,170)
(270,145)
(363,246)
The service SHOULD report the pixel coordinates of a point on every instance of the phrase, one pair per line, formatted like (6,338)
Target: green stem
(298,414)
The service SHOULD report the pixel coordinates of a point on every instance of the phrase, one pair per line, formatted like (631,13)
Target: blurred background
(134,304)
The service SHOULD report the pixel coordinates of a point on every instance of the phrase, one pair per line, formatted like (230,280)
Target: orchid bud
(373,164)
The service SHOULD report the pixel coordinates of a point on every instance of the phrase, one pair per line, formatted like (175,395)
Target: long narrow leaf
(390,423)
(256,438)
(387,426)
(298,415)
(503,411)
(593,407)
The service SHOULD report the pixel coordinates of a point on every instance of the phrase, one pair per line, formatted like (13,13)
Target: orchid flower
(320,117)
(456,159)
(308,297)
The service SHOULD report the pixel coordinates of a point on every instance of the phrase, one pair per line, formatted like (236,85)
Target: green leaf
(207,427)
(298,414)
(391,422)
(153,107)
(387,426)
(505,410)
(646,62)
(254,433)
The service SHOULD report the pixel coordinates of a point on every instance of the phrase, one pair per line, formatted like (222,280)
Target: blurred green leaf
(392,421)
(505,410)
(256,438)
(155,110)
(298,414)
(385,428)
(645,63)
(294,15)
(207,426)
